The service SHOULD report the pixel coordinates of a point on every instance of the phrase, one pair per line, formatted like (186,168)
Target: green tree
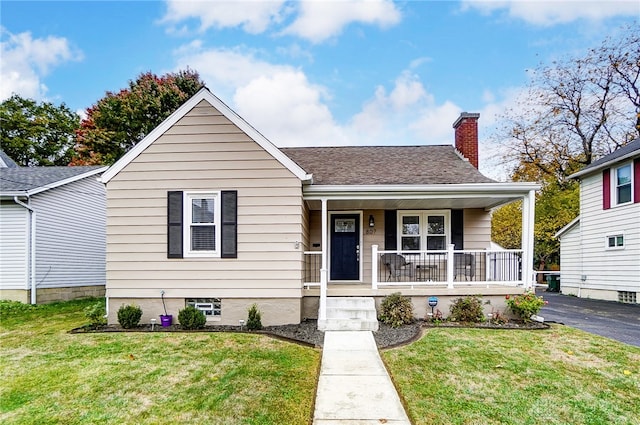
(118,121)
(37,134)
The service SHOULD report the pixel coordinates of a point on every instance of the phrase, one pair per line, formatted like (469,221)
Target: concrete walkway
(354,386)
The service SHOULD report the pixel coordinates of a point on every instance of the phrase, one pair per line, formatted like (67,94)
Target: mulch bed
(307,332)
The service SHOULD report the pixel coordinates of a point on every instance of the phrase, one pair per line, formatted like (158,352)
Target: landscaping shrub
(254,321)
(95,313)
(129,316)
(525,305)
(191,318)
(396,310)
(467,309)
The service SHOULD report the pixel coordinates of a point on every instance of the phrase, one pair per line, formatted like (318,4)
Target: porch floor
(365,290)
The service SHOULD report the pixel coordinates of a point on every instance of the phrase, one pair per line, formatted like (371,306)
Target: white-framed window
(622,181)
(202,224)
(211,307)
(614,241)
(424,230)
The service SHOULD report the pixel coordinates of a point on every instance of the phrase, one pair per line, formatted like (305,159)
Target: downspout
(32,246)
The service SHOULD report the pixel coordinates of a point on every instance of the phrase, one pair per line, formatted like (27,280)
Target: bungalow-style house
(205,211)
(52,232)
(600,249)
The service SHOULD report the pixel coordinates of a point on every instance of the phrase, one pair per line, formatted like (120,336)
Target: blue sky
(308,72)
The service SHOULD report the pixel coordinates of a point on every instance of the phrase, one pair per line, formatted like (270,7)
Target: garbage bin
(554,283)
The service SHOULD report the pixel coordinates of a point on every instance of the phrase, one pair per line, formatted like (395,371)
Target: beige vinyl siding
(204,151)
(608,269)
(371,236)
(477,229)
(570,260)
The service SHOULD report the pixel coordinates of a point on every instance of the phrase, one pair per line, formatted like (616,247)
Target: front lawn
(52,377)
(480,376)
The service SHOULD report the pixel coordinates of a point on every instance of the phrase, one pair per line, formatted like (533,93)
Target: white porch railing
(433,268)
(446,267)
(312,267)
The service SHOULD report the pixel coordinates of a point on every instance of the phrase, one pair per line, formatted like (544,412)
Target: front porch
(420,241)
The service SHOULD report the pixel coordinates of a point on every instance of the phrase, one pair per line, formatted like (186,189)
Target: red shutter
(636,181)
(606,189)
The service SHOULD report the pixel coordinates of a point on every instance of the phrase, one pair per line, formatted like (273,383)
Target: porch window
(424,230)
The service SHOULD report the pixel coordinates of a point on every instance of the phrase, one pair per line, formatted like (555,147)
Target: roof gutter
(445,190)
(607,164)
(32,246)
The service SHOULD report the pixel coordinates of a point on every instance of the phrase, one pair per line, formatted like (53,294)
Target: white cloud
(25,61)
(313,20)
(547,13)
(321,20)
(254,17)
(290,110)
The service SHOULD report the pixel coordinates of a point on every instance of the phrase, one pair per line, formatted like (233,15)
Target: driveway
(606,318)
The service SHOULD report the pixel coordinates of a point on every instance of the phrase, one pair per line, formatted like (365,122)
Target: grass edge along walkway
(479,376)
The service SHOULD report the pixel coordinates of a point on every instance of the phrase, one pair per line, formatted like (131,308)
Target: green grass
(449,376)
(480,376)
(52,377)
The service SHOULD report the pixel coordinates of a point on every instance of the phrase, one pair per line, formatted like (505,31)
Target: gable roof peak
(204,94)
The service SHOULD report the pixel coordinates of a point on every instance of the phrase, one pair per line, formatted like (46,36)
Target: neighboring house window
(427,230)
(202,230)
(623,184)
(211,307)
(202,224)
(615,242)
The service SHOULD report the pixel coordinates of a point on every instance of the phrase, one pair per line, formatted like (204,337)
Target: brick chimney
(466,127)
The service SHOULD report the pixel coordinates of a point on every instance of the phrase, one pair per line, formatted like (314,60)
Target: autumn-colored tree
(574,111)
(577,109)
(118,121)
(37,134)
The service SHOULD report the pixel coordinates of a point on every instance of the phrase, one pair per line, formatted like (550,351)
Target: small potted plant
(165,319)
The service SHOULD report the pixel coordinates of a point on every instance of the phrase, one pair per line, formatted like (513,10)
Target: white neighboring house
(52,232)
(600,249)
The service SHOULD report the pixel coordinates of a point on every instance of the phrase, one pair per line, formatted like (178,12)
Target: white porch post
(322,313)
(374,267)
(528,221)
(450,260)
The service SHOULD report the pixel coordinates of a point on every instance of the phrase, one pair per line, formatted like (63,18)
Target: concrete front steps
(350,314)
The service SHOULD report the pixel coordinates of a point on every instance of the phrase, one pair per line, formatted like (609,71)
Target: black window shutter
(390,230)
(457,229)
(174,224)
(229,221)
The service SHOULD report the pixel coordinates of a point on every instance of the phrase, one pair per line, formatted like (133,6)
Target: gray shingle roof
(385,165)
(6,161)
(624,152)
(24,179)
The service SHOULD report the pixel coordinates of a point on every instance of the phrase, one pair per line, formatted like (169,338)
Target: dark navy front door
(345,247)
